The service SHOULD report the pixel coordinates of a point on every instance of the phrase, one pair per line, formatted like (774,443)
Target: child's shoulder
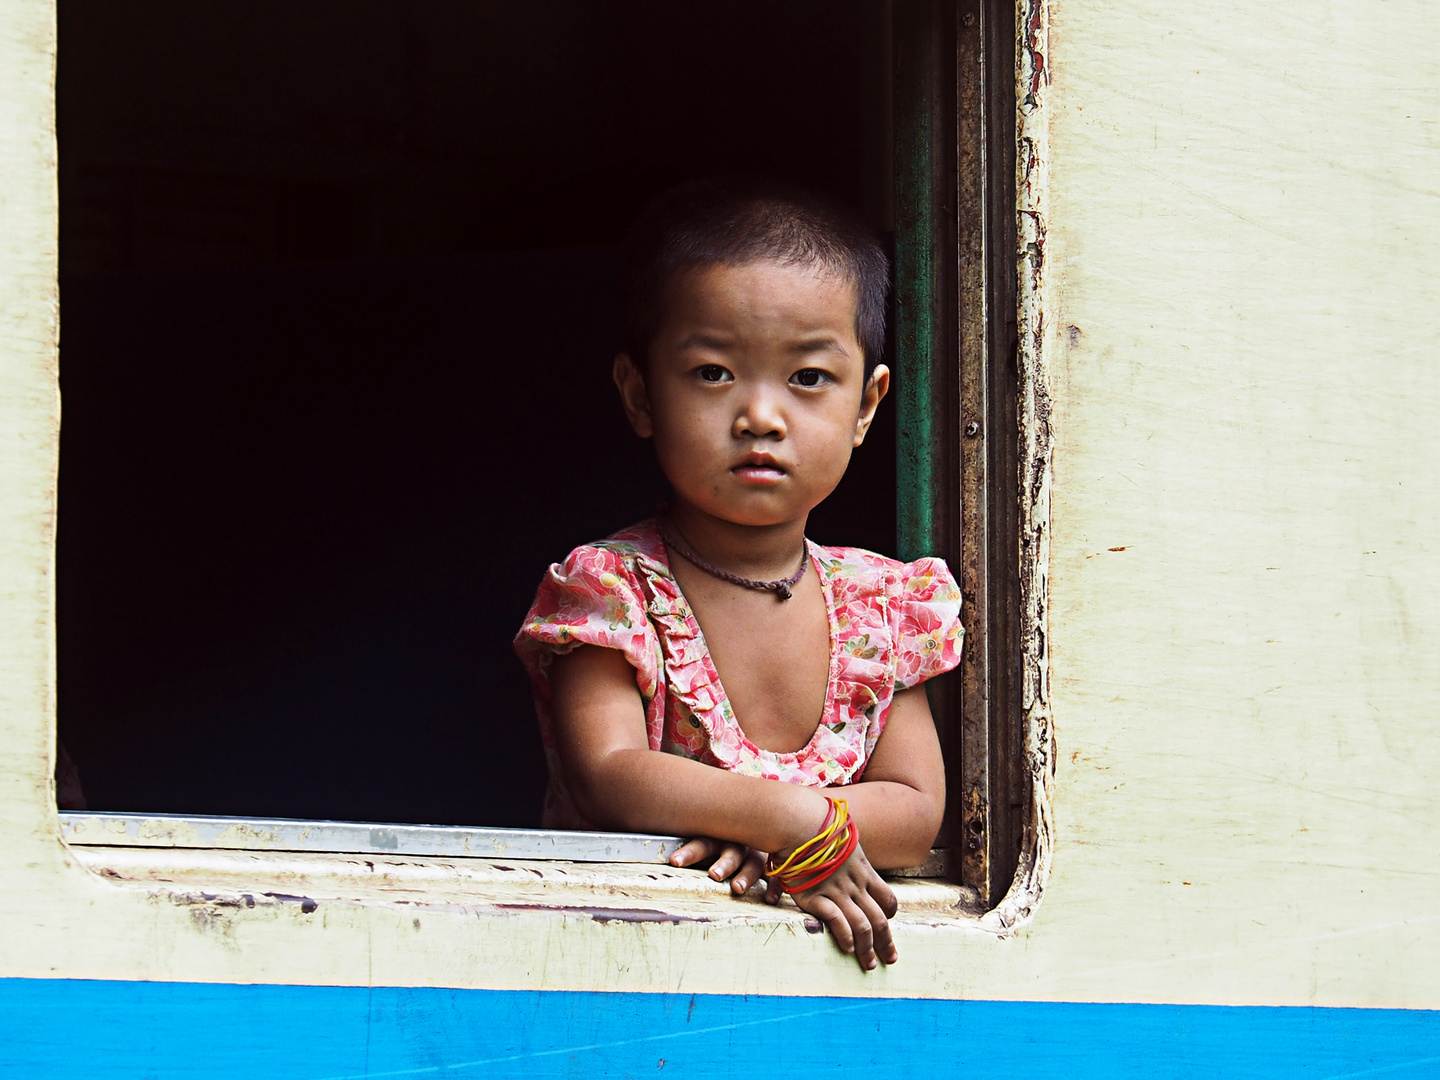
(642,538)
(860,558)
(871,571)
(618,552)
(854,560)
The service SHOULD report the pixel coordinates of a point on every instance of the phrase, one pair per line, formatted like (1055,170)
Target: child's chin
(756,506)
(761,520)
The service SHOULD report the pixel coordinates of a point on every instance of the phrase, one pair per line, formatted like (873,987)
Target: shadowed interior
(339,297)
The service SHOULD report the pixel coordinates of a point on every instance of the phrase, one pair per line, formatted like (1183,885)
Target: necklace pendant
(782,592)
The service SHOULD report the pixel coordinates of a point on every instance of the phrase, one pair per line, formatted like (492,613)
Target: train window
(339,296)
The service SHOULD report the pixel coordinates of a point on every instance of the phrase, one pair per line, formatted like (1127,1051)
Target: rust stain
(1035,38)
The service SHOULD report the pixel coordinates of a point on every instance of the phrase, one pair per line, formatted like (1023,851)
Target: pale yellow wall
(1243,235)
(1245,207)
(29,412)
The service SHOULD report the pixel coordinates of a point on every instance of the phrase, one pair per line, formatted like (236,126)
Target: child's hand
(745,863)
(857,906)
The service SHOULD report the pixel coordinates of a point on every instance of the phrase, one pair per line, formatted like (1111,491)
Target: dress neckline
(660,557)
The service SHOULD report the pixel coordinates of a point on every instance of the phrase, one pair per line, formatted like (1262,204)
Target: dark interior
(338,303)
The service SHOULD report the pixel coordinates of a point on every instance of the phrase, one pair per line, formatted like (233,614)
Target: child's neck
(763,552)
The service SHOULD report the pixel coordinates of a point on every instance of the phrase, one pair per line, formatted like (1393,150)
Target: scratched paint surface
(1245,603)
(1238,306)
(328,1033)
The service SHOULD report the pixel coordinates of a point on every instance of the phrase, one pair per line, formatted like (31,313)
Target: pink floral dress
(892,626)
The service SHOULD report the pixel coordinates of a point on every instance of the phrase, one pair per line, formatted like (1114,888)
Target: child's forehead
(707,281)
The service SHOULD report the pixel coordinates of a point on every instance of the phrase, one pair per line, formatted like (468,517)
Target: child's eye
(713,373)
(809,377)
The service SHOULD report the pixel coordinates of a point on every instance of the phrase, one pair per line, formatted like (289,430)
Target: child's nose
(760,417)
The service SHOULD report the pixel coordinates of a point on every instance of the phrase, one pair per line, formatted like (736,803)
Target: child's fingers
(694,851)
(849,925)
(862,933)
(752,869)
(882,937)
(829,913)
(883,895)
(728,861)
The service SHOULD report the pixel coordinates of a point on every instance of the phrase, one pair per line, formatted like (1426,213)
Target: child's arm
(898,805)
(616,780)
(901,800)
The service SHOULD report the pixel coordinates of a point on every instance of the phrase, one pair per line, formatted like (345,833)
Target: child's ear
(875,391)
(630,381)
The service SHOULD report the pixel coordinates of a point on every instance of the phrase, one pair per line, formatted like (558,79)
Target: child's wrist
(813,861)
(810,810)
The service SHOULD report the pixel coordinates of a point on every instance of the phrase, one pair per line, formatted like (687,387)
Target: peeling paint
(636,915)
(1018,905)
(602,894)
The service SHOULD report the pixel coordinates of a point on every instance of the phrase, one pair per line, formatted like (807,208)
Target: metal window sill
(249,866)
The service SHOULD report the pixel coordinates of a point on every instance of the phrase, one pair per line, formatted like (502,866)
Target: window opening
(339,289)
(339,301)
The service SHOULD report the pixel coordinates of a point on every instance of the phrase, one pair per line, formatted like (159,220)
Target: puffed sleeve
(592,598)
(926,615)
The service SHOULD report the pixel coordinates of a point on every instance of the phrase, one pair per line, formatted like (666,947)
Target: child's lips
(759,469)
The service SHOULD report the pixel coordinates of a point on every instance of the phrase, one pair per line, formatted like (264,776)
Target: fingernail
(741,884)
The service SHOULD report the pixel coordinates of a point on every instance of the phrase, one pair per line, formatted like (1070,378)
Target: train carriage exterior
(1228,297)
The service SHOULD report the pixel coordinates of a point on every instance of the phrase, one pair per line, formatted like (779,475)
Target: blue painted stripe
(57,1029)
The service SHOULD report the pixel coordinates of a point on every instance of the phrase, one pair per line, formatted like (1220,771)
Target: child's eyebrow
(703,340)
(828,343)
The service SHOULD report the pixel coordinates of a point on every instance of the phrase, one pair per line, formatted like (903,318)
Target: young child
(712,673)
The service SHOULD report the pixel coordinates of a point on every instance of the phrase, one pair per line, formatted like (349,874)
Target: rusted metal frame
(1000,713)
(970,794)
(926,370)
(956,357)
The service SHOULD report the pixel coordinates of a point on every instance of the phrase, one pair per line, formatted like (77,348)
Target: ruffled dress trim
(892,625)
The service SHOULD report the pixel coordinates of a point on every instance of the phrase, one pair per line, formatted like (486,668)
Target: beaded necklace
(780,586)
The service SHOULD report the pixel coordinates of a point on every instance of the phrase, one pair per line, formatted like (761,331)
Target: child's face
(755,392)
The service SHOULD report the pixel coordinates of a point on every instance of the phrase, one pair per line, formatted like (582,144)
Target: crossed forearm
(650,791)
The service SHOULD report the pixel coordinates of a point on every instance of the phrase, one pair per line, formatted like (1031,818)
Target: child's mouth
(759,470)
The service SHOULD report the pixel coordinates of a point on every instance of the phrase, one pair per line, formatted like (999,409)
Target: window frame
(961,427)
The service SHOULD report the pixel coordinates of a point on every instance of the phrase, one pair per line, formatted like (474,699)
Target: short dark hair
(727,221)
